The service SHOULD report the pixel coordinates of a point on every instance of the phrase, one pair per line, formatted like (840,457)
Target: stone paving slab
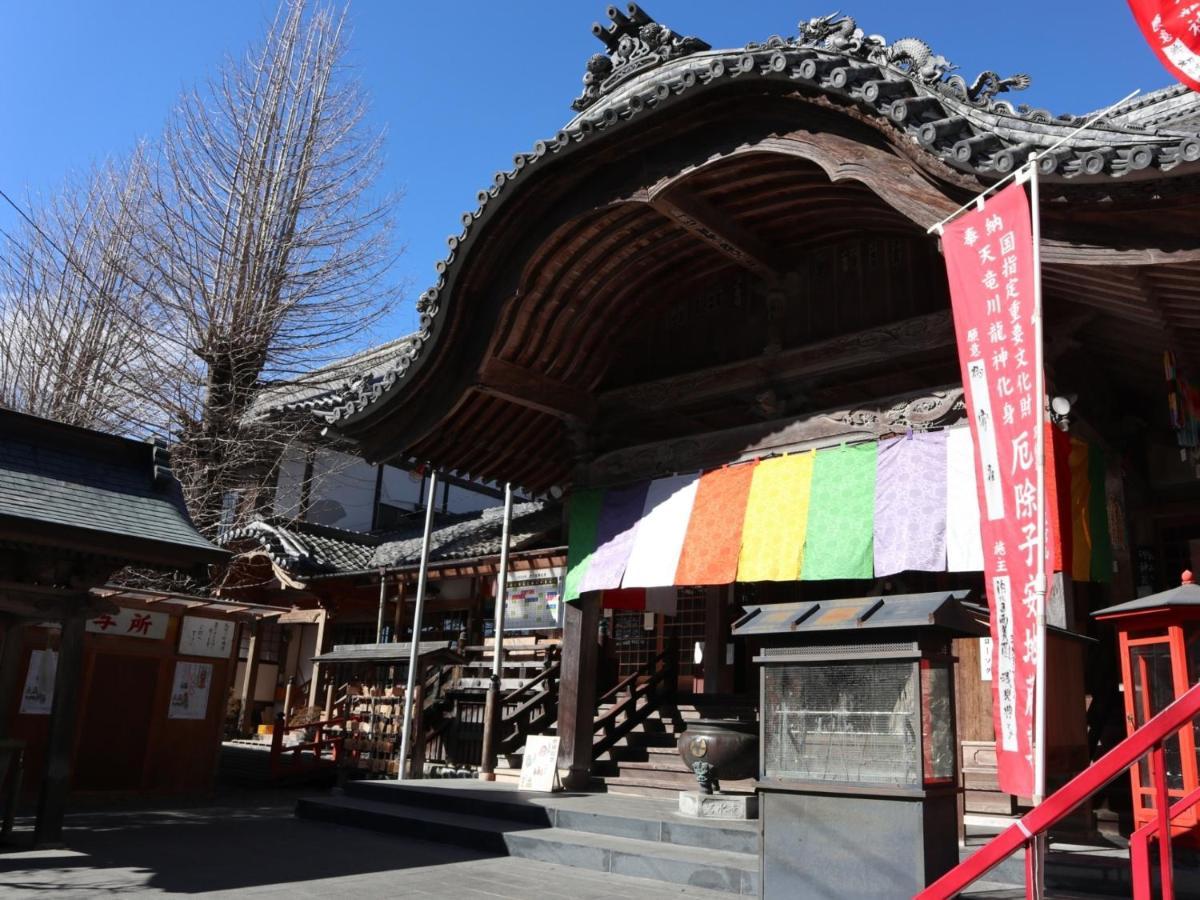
(266,852)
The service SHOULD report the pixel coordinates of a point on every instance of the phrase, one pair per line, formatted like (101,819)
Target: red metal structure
(305,755)
(1149,739)
(1160,659)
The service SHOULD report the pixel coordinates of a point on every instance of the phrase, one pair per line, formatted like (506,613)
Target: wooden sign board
(200,636)
(131,623)
(539,765)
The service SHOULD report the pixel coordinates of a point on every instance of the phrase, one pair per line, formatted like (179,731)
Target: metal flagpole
(415,644)
(1039,391)
(492,711)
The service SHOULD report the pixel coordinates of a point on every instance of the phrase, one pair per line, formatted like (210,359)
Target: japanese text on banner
(989,259)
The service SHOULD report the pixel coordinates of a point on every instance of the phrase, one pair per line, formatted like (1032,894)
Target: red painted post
(1059,804)
(1162,803)
(1031,879)
(1139,864)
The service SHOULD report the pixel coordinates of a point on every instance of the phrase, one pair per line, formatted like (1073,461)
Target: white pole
(1039,719)
(493,714)
(415,645)
(1039,702)
(502,588)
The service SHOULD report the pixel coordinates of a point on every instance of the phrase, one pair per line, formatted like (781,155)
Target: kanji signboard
(989,259)
(1173,29)
(131,623)
(201,636)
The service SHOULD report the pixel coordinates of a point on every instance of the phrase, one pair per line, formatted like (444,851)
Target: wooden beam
(535,391)
(938,407)
(1172,328)
(882,345)
(249,680)
(68,677)
(699,217)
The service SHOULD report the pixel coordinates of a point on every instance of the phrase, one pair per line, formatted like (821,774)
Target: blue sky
(460,87)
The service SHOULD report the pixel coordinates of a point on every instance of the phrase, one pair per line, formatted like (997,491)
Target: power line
(82,272)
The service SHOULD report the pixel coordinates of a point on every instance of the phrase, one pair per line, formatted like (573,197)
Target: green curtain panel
(841,514)
(581,537)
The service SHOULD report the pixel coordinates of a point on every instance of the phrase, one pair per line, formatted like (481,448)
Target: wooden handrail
(1147,739)
(654,675)
(548,672)
(642,671)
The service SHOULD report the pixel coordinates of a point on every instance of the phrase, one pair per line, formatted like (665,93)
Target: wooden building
(93,711)
(725,256)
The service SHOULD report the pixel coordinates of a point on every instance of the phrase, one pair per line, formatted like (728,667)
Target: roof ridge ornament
(836,33)
(635,43)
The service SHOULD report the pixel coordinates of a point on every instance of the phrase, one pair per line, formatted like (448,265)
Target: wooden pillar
(314,684)
(577,689)
(416,765)
(715,636)
(401,600)
(52,804)
(249,678)
(11,656)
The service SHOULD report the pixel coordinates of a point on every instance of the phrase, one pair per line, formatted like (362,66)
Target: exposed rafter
(535,391)
(705,221)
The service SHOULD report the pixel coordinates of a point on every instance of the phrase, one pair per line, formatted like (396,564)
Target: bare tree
(167,294)
(269,246)
(72,317)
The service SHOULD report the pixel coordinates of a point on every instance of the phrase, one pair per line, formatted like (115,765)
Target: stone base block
(718,806)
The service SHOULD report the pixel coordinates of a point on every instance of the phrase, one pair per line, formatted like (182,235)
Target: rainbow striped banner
(855,512)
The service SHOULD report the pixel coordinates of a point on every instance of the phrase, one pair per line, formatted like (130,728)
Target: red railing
(316,746)
(1147,739)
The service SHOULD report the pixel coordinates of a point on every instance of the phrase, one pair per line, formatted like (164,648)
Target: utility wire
(142,325)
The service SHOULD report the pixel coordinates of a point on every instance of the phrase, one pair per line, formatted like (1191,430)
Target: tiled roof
(903,88)
(305,550)
(90,484)
(474,534)
(329,386)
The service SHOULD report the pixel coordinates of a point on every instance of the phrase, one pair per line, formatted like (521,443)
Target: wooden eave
(520,336)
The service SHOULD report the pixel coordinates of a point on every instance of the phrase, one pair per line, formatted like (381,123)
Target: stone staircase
(641,838)
(645,760)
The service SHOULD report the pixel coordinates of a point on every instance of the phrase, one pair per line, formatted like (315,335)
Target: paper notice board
(539,765)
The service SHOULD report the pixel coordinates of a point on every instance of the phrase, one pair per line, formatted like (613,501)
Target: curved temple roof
(960,134)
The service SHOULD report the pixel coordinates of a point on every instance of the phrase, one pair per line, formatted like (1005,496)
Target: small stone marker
(741,807)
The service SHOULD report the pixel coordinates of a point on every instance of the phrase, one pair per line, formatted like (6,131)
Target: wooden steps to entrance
(645,760)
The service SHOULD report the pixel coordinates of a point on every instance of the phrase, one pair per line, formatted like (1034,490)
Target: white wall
(343,491)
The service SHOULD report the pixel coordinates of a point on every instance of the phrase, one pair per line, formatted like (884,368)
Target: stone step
(664,780)
(705,867)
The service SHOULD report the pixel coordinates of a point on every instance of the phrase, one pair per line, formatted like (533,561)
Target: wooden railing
(1149,739)
(535,710)
(654,681)
(291,759)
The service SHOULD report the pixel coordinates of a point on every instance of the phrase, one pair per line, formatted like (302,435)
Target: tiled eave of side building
(300,551)
(966,134)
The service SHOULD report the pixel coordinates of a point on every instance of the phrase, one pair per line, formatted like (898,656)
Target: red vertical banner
(989,260)
(1173,30)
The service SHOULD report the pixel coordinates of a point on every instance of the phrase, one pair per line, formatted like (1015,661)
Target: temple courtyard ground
(252,845)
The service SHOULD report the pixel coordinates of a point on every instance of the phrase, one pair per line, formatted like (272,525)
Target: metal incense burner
(857,758)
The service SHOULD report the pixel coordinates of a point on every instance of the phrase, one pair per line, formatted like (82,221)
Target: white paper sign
(199,636)
(38,696)
(189,696)
(539,765)
(131,623)
(985,658)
